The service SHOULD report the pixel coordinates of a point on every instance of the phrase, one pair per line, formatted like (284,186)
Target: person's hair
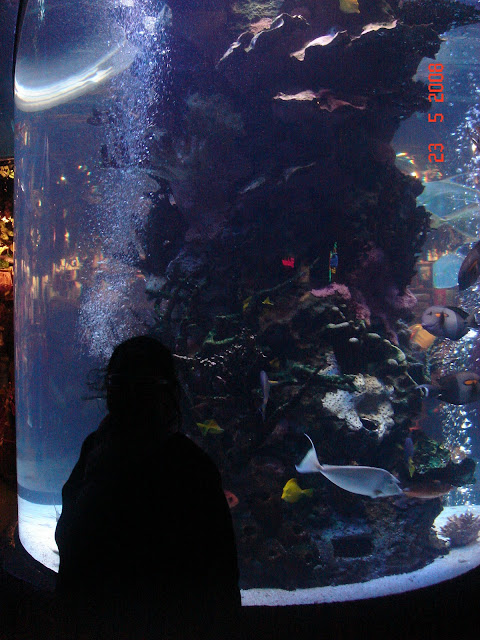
(146,366)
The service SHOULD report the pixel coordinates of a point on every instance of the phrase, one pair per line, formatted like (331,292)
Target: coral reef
(276,145)
(461,530)
(369,403)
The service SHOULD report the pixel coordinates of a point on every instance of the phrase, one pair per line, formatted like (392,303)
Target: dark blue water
(255,202)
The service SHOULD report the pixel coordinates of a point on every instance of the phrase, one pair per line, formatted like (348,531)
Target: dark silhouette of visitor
(145,537)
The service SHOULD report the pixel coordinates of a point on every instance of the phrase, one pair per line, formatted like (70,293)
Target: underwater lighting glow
(31,97)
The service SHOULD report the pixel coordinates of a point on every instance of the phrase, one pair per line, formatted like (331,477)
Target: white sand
(37,528)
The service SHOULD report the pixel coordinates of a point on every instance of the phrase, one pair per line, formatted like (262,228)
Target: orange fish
(231,498)
(421,336)
(427,490)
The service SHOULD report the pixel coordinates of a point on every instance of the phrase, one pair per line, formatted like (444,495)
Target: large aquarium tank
(280,191)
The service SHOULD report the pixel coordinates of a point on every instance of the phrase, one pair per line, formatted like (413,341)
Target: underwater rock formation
(277,150)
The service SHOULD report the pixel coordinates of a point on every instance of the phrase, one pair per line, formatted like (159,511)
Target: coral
(266,155)
(430,454)
(202,161)
(341,404)
(371,402)
(462,530)
(373,286)
(439,12)
(311,105)
(251,10)
(333,289)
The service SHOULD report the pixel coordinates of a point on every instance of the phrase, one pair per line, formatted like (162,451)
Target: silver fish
(366,481)
(265,384)
(448,322)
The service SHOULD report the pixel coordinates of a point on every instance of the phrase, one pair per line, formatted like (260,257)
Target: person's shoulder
(88,444)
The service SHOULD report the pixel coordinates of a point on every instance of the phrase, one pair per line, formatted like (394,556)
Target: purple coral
(331,290)
(462,530)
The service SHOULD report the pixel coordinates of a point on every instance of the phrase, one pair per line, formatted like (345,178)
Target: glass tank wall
(280,191)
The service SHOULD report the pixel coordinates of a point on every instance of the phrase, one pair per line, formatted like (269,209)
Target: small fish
(210,426)
(288,262)
(448,322)
(470,268)
(461,387)
(246,303)
(366,481)
(421,336)
(349,6)
(415,427)
(265,385)
(267,301)
(275,364)
(409,449)
(332,263)
(231,498)
(427,490)
(292,492)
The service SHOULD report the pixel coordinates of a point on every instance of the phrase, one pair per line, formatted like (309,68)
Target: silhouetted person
(145,537)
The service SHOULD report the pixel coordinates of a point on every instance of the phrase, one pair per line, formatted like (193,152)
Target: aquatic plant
(462,530)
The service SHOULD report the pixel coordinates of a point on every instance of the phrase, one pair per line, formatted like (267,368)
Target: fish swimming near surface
(470,268)
(210,426)
(292,492)
(265,385)
(366,481)
(461,387)
(349,6)
(448,322)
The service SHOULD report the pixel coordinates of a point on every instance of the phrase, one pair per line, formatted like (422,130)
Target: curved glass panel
(281,192)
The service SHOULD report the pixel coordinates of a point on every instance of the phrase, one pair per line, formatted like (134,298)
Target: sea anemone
(462,530)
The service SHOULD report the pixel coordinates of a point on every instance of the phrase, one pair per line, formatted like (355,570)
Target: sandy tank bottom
(38,523)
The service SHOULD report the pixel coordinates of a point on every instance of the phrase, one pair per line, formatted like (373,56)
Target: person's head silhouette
(141,383)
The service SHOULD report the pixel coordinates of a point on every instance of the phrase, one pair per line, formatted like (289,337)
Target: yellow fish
(292,492)
(421,336)
(246,302)
(275,364)
(411,466)
(349,6)
(209,426)
(267,301)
